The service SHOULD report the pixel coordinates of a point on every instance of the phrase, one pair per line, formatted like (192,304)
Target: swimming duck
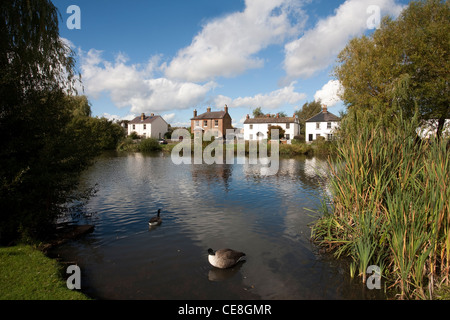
(155,221)
(225,258)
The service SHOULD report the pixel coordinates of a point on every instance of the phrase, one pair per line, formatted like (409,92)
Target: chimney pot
(208,109)
(142,116)
(278,115)
(248,116)
(152,114)
(226,109)
(325,109)
(195,113)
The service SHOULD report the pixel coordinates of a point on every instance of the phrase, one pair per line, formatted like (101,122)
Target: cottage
(216,120)
(148,126)
(258,128)
(321,125)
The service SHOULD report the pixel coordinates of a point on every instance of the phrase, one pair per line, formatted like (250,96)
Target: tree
(309,110)
(404,64)
(281,132)
(42,153)
(257,113)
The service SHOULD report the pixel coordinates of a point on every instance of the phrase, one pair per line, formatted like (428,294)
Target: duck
(225,258)
(155,221)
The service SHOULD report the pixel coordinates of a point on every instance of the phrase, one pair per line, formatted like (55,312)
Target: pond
(206,206)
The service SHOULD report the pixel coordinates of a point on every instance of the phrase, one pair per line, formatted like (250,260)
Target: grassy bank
(390,207)
(295,149)
(27,274)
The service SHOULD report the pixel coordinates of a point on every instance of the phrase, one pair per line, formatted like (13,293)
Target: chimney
(195,113)
(248,117)
(325,109)
(226,109)
(142,116)
(208,109)
(152,114)
(278,115)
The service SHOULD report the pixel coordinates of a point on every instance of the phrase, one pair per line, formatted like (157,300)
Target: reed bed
(390,207)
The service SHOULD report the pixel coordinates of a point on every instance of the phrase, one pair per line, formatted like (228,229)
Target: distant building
(322,124)
(428,129)
(212,120)
(258,128)
(148,126)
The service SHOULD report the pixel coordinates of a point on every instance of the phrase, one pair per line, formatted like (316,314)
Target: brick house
(212,120)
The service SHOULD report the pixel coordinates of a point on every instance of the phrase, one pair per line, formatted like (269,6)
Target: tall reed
(390,206)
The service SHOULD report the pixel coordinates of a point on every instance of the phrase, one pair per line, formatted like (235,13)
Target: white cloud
(227,46)
(272,100)
(330,93)
(135,85)
(318,47)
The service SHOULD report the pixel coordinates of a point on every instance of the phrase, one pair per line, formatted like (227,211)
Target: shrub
(149,144)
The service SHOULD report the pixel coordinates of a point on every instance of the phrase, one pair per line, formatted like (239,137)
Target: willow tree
(408,55)
(38,168)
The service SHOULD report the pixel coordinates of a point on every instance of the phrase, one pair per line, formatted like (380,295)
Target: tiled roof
(271,120)
(210,115)
(324,117)
(147,119)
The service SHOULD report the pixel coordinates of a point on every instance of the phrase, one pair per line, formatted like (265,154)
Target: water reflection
(216,274)
(203,206)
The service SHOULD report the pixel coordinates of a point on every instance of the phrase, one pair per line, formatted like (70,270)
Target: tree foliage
(308,110)
(48,136)
(403,64)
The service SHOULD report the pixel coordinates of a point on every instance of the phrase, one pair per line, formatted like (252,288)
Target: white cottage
(258,128)
(148,126)
(321,125)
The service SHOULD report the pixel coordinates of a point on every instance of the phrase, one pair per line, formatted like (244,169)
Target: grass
(390,207)
(294,149)
(27,274)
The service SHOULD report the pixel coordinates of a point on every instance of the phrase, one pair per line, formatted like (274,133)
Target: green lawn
(27,274)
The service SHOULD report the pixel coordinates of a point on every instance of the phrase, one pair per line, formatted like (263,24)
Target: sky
(169,57)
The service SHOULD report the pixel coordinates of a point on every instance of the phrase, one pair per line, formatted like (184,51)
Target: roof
(324,117)
(147,119)
(271,120)
(210,115)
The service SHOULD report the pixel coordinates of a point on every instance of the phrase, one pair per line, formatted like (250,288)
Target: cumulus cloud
(227,46)
(272,100)
(318,47)
(330,93)
(136,86)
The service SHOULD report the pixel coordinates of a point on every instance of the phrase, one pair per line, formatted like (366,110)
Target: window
(251,127)
(330,137)
(288,126)
(310,137)
(197,123)
(216,123)
(205,123)
(317,136)
(251,137)
(329,125)
(318,126)
(145,126)
(287,136)
(134,126)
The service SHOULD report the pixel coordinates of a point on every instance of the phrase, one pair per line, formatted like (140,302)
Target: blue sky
(170,57)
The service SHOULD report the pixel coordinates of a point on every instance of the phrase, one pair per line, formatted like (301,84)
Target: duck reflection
(216,274)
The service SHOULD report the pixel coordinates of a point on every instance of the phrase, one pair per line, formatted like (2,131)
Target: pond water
(205,206)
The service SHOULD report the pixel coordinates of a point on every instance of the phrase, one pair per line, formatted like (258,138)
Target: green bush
(149,144)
